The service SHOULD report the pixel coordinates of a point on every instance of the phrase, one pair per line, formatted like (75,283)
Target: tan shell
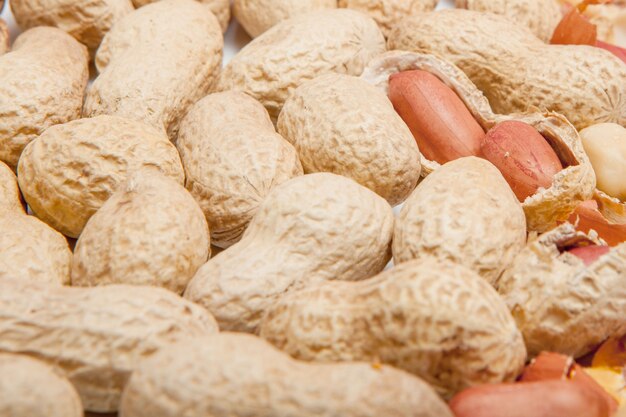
(31,388)
(388,12)
(310,229)
(157,62)
(233,158)
(86,20)
(95,336)
(257,16)
(560,304)
(220,8)
(150,232)
(433,318)
(43,82)
(611,208)
(299,49)
(4,36)
(464,212)
(540,16)
(570,187)
(341,124)
(236,375)
(31,250)
(10,196)
(508,63)
(72,169)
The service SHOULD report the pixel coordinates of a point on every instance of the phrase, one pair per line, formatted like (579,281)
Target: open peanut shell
(574,184)
(561,304)
(613,209)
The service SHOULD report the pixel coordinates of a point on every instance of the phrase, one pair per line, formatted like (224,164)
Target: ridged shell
(312,228)
(433,318)
(95,336)
(157,62)
(72,169)
(220,8)
(236,375)
(233,158)
(31,388)
(341,124)
(150,232)
(540,16)
(43,82)
(570,187)
(560,304)
(464,212)
(10,197)
(86,20)
(299,49)
(516,70)
(388,12)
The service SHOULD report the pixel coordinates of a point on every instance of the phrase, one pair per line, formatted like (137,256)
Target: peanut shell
(233,158)
(96,336)
(312,228)
(388,12)
(220,8)
(10,196)
(4,36)
(237,375)
(341,124)
(433,318)
(72,169)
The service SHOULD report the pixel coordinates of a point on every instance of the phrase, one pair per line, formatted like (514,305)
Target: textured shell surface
(540,16)
(43,82)
(257,16)
(237,375)
(220,8)
(233,158)
(150,232)
(72,169)
(341,124)
(32,250)
(299,49)
(560,304)
(4,35)
(518,70)
(31,388)
(465,212)
(293,242)
(433,318)
(86,20)
(95,336)
(388,12)
(140,63)
(10,197)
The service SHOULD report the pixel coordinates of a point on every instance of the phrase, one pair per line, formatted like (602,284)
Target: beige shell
(43,82)
(560,304)
(612,209)
(299,49)
(150,232)
(257,16)
(31,250)
(388,12)
(95,336)
(540,16)
(516,70)
(10,196)
(341,124)
(4,36)
(220,8)
(157,62)
(86,20)
(570,187)
(233,158)
(465,212)
(72,169)
(30,388)
(312,228)
(237,375)
(433,318)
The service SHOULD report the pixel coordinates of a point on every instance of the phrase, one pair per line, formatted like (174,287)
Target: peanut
(590,254)
(309,229)
(588,217)
(237,375)
(523,156)
(31,388)
(10,196)
(388,12)
(342,124)
(220,8)
(444,128)
(4,35)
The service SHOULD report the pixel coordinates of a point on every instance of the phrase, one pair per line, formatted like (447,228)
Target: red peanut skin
(587,217)
(522,155)
(442,125)
(589,254)
(529,399)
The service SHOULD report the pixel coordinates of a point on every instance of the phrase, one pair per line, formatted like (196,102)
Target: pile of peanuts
(180,237)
